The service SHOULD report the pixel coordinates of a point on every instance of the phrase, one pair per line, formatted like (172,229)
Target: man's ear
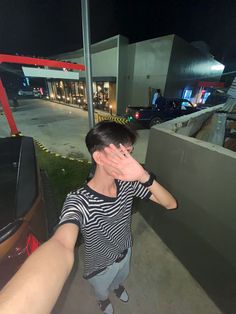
(97,157)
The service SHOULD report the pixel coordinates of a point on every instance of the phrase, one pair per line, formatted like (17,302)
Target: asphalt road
(60,128)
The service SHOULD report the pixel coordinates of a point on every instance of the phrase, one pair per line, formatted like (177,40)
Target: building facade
(127,74)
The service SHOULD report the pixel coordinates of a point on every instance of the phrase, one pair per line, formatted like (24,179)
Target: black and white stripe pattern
(105,222)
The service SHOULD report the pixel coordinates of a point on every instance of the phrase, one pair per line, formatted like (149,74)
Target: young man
(101,211)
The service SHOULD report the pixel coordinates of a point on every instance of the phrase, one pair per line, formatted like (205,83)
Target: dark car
(166,109)
(23,224)
(29,93)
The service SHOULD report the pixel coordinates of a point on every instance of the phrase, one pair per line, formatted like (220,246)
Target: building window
(101,95)
(187,93)
(74,92)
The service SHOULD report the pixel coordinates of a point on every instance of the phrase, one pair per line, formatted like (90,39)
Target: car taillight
(31,244)
(13,260)
(137,115)
(24,248)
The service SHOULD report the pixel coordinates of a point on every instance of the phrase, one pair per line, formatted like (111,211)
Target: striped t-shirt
(105,222)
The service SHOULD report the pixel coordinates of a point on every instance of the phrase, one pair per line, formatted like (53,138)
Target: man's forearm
(159,194)
(162,196)
(35,287)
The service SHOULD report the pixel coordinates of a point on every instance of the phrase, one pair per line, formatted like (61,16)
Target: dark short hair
(107,132)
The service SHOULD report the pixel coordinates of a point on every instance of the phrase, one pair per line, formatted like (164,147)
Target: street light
(87,59)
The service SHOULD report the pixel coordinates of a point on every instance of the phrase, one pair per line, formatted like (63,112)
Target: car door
(175,108)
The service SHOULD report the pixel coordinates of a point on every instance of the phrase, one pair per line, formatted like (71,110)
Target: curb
(59,155)
(52,153)
(100,117)
(120,120)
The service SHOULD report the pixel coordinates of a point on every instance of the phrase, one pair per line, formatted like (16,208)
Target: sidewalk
(158,282)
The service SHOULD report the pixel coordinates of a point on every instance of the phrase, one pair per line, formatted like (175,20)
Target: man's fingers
(114,153)
(124,150)
(113,162)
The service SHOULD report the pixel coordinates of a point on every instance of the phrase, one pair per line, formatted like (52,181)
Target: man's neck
(103,183)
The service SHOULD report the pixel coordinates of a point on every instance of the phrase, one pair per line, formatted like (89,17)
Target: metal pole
(87,60)
(7,110)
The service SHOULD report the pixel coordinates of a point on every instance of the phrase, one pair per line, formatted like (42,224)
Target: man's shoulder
(77,194)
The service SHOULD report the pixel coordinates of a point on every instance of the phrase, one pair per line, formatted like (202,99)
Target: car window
(175,103)
(186,104)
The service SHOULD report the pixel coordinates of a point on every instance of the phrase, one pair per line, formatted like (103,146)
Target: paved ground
(60,128)
(158,282)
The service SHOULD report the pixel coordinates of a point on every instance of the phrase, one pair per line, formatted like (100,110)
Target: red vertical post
(7,110)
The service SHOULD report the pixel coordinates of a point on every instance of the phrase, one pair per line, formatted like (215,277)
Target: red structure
(29,61)
(211,84)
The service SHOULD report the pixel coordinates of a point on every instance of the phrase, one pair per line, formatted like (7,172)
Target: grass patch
(65,175)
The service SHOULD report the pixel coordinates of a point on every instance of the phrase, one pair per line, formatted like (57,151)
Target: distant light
(68,98)
(217,67)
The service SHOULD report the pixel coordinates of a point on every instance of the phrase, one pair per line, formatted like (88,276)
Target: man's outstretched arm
(36,286)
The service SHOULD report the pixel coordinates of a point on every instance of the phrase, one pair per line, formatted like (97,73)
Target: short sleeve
(72,210)
(141,191)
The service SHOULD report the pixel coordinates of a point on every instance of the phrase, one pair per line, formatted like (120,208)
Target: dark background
(48,27)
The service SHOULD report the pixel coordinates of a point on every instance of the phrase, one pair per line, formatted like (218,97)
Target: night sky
(47,27)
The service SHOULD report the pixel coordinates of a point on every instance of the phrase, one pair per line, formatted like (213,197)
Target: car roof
(178,99)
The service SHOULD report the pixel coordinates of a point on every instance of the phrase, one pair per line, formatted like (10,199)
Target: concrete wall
(188,64)
(104,63)
(232,89)
(148,63)
(201,232)
(189,125)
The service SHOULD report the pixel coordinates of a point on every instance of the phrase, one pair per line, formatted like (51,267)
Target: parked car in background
(23,223)
(29,92)
(167,109)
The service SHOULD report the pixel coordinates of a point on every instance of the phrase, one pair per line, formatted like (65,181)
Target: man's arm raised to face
(36,286)
(126,168)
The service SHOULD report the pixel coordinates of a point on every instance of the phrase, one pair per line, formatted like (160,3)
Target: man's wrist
(147,179)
